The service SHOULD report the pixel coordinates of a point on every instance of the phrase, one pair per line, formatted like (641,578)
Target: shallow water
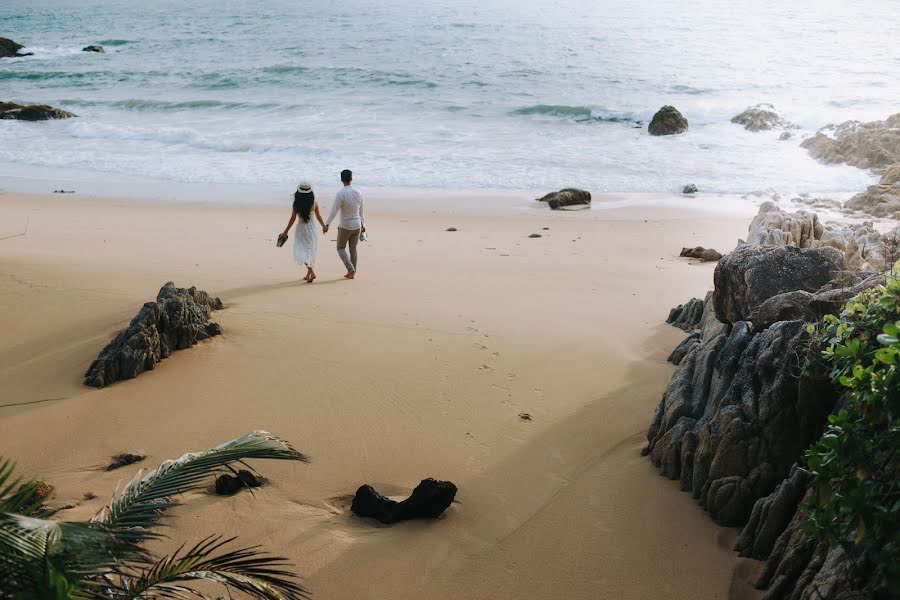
(490,94)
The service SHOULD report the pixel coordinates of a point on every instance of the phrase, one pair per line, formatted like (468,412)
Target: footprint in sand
(479,346)
(485,368)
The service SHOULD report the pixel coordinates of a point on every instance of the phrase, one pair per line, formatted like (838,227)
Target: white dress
(306,242)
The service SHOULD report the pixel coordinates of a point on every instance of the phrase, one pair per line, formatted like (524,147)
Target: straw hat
(304,187)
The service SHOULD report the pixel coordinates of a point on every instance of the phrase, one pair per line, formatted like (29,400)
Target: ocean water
(473,94)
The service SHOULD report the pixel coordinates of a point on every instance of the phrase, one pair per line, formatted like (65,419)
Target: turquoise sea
(475,94)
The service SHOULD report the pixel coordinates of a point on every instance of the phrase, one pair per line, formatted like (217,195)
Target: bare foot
(350,275)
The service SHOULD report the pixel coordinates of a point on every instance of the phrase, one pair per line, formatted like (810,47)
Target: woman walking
(306,238)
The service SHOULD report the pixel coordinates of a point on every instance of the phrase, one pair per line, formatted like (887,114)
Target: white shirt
(350,203)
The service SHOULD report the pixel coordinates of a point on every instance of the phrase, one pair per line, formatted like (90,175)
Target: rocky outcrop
(704,254)
(10,49)
(761,117)
(566,197)
(881,199)
(771,515)
(178,319)
(874,145)
(98,49)
(727,426)
(428,501)
(686,316)
(739,411)
(667,121)
(800,568)
(751,274)
(859,243)
(32,112)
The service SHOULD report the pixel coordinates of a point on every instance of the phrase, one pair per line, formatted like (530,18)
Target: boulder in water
(10,49)
(98,49)
(428,500)
(761,117)
(32,112)
(881,199)
(690,189)
(874,145)
(667,121)
(178,319)
(566,197)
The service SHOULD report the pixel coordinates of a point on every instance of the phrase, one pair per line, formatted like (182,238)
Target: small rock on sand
(535,235)
(227,485)
(126,458)
(452,229)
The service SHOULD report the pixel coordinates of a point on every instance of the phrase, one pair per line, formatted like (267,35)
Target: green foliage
(855,499)
(42,559)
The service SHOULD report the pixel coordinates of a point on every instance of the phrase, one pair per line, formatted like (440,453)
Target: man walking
(352,223)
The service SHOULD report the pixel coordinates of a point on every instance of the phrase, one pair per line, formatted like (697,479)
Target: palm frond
(139,506)
(31,549)
(16,495)
(246,570)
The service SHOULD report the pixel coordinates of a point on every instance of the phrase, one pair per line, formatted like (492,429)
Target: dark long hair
(303,203)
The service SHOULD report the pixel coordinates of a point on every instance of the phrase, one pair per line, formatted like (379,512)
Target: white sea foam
(462,93)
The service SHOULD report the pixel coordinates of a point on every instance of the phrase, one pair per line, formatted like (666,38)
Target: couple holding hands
(351,230)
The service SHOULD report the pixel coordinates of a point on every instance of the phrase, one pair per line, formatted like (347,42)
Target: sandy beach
(421,367)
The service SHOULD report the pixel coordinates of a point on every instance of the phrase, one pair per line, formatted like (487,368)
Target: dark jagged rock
(178,319)
(800,568)
(761,117)
(750,275)
(226,484)
(771,516)
(742,397)
(686,316)
(680,351)
(808,306)
(566,197)
(124,459)
(667,121)
(690,189)
(98,49)
(428,500)
(739,411)
(704,254)
(32,112)
(10,49)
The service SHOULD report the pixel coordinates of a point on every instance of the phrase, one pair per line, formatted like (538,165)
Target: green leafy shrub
(855,494)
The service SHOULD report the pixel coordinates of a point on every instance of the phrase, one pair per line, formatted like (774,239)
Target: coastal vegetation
(855,490)
(106,557)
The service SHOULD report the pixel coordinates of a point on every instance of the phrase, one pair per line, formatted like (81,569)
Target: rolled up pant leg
(344,237)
